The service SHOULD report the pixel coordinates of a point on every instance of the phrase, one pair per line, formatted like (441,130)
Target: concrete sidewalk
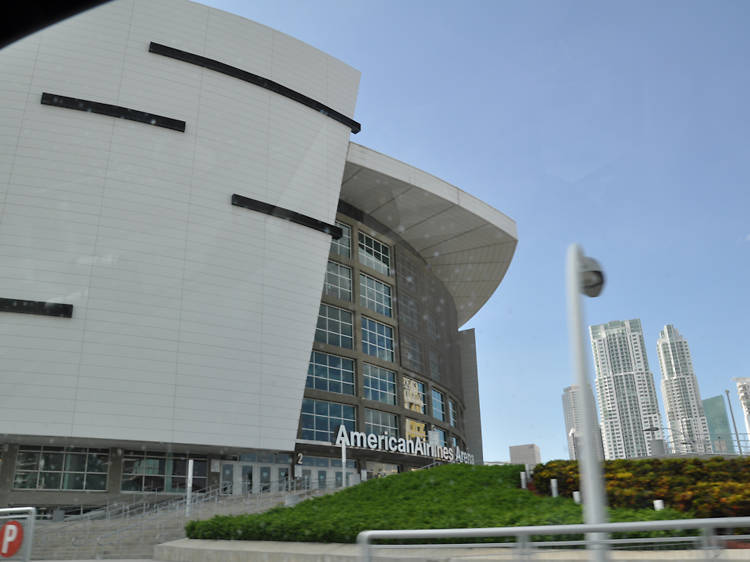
(191,550)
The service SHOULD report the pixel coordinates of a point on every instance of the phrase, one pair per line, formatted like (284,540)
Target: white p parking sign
(16,533)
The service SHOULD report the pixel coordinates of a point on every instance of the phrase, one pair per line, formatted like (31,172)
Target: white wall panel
(193,319)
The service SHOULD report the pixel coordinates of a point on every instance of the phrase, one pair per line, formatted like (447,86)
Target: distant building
(743,391)
(629,412)
(722,440)
(573,413)
(528,455)
(686,421)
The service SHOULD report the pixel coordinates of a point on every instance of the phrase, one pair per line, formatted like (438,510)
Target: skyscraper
(629,412)
(743,391)
(686,420)
(573,412)
(722,440)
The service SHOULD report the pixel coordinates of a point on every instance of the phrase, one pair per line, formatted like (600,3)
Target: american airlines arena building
(197,263)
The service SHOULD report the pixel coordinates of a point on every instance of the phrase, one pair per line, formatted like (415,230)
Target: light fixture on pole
(585,275)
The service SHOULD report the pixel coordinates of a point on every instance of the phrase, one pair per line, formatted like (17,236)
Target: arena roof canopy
(467,243)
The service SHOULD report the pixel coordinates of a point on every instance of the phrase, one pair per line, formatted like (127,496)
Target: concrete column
(7,470)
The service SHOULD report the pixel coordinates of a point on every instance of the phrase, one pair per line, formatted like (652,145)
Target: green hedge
(714,487)
(449,496)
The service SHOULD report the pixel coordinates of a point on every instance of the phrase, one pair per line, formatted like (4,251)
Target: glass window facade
(330,373)
(452,413)
(59,468)
(442,437)
(375,295)
(338,281)
(320,419)
(381,423)
(374,254)
(377,339)
(438,405)
(334,326)
(343,246)
(379,384)
(144,471)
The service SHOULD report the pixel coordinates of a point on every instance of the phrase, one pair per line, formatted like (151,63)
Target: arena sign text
(392,444)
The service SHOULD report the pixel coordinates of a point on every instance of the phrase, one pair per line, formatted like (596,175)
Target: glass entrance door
(227,479)
(265,478)
(246,485)
(236,479)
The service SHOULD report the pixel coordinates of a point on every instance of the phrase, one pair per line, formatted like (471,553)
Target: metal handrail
(522,534)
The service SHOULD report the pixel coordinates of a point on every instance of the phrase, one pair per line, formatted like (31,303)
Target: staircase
(125,535)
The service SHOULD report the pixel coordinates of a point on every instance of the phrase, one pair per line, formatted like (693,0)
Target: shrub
(702,486)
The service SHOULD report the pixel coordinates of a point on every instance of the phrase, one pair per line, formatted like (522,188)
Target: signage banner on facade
(390,444)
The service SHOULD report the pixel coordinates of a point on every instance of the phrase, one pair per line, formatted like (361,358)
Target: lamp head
(592,276)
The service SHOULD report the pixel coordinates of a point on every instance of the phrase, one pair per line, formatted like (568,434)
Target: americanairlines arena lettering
(391,444)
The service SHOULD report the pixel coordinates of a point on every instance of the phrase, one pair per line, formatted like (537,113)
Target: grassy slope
(448,496)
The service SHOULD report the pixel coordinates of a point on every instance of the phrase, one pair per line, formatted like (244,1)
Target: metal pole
(592,481)
(343,466)
(189,487)
(734,423)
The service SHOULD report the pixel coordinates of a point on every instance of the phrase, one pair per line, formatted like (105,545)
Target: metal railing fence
(144,528)
(531,538)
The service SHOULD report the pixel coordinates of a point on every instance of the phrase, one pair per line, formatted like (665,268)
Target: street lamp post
(584,275)
(734,423)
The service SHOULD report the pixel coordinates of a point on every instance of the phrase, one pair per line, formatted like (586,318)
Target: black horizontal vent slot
(286,214)
(246,76)
(113,111)
(36,307)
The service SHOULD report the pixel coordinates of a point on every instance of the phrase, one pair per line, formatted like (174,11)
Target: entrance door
(246,485)
(265,478)
(322,476)
(227,479)
(283,478)
(236,479)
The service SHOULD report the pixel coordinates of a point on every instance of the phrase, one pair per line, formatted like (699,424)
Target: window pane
(438,407)
(73,481)
(326,372)
(374,254)
(379,384)
(96,482)
(334,326)
(27,461)
(377,339)
(342,246)
(381,423)
(375,295)
(49,480)
(52,461)
(338,282)
(25,480)
(327,418)
(75,462)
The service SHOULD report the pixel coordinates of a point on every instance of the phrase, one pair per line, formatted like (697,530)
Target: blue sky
(622,126)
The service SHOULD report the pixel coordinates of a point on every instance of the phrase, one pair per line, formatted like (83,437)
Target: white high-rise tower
(686,420)
(629,412)
(743,392)
(573,412)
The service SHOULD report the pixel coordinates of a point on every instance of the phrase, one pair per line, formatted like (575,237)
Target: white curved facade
(192,318)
